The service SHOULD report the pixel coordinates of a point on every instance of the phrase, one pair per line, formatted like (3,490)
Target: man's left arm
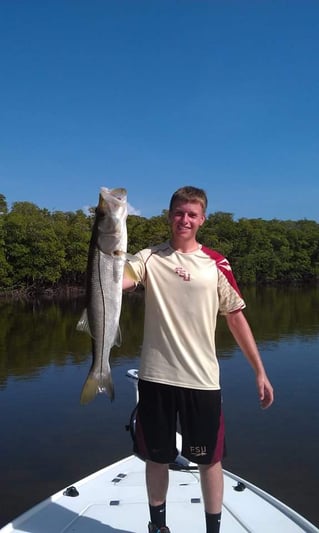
(242,334)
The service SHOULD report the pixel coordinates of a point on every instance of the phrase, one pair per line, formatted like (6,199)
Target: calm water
(48,440)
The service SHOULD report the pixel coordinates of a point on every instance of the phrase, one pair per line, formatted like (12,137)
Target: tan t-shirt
(183,294)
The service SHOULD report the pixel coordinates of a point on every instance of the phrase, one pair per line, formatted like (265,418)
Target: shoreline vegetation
(44,253)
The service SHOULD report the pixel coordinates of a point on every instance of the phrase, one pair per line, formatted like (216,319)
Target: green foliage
(74,231)
(3,205)
(5,268)
(39,249)
(143,232)
(265,252)
(33,250)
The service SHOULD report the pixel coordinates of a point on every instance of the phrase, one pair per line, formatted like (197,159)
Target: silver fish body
(106,259)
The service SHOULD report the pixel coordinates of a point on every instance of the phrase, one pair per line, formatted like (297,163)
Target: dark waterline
(49,441)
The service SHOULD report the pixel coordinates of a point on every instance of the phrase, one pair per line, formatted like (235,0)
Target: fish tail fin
(94,385)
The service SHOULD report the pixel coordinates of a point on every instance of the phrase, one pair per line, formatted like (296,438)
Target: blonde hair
(189,194)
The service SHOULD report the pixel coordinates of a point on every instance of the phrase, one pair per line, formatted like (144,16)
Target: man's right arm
(130,275)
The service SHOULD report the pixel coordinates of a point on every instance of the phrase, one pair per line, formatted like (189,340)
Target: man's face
(186,218)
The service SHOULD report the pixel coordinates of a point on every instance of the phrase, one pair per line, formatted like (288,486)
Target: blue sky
(152,95)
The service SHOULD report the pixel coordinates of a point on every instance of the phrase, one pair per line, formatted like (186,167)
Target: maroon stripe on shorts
(140,447)
(220,442)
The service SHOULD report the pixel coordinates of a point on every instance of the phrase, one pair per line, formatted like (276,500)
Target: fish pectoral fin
(118,338)
(83,323)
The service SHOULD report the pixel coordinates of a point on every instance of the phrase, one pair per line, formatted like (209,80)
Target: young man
(186,286)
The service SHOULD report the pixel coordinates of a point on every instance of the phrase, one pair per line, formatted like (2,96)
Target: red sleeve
(223,266)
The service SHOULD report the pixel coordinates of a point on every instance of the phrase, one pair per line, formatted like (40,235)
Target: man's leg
(156,482)
(212,483)
(156,442)
(157,485)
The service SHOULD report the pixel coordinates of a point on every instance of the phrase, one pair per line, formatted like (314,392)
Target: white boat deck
(113,500)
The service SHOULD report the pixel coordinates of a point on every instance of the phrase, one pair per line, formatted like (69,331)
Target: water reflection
(277,313)
(36,334)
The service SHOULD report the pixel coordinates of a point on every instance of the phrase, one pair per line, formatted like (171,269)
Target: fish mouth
(120,193)
(115,196)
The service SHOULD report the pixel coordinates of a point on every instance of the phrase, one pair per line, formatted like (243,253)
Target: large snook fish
(106,258)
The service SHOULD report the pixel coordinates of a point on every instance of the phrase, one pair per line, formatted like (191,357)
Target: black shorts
(200,417)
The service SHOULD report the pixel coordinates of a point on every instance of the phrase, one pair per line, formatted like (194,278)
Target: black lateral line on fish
(103,300)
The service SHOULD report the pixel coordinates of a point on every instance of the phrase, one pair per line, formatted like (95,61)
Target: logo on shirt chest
(182,273)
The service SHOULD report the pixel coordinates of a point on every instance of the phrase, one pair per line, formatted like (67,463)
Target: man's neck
(184,246)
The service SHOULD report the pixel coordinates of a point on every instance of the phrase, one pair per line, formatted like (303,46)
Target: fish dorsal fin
(83,323)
